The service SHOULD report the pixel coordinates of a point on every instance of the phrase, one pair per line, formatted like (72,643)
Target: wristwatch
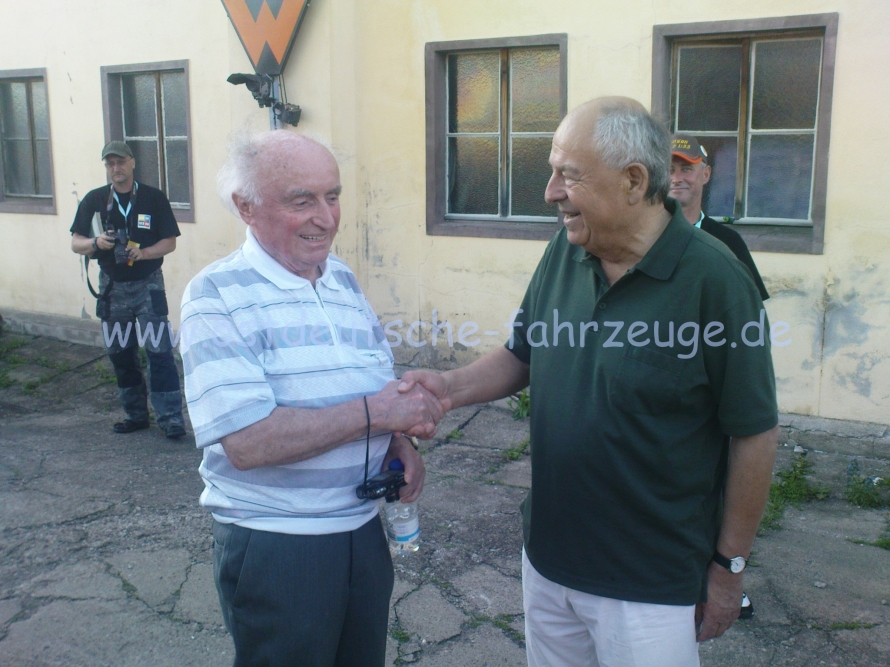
(95,244)
(734,565)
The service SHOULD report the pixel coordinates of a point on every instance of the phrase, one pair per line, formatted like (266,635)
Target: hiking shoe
(128,426)
(747,608)
(174,431)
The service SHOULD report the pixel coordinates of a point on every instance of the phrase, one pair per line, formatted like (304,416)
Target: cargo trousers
(134,314)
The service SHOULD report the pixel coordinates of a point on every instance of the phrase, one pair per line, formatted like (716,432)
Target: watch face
(737,564)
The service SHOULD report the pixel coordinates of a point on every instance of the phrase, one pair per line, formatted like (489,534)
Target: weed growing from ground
(792,488)
(883,542)
(867,492)
(842,625)
(521,404)
(5,380)
(516,451)
(9,344)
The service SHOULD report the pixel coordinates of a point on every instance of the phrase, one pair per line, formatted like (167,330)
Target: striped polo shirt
(255,336)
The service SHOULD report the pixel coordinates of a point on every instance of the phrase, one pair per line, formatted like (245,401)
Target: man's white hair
(625,134)
(240,173)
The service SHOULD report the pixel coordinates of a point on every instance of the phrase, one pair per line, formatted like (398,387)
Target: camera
(259,85)
(121,256)
(382,485)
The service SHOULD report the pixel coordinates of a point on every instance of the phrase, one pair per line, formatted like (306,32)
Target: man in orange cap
(689,174)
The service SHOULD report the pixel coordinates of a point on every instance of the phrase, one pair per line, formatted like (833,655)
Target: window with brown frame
(492,108)
(148,107)
(26,169)
(757,96)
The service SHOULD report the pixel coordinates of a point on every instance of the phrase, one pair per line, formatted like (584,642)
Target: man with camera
(128,227)
(291,392)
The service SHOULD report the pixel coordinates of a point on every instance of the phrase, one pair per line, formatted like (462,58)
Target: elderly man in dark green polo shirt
(644,343)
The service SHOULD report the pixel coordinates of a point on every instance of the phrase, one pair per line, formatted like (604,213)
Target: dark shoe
(747,607)
(128,426)
(174,431)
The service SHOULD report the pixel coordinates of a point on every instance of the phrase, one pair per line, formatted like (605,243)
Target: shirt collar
(700,220)
(665,253)
(268,267)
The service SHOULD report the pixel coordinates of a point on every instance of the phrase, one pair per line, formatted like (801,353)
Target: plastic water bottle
(402,522)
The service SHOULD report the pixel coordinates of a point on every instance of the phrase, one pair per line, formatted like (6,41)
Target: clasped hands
(413,406)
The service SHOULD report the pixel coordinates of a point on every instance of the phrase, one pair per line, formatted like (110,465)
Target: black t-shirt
(150,220)
(736,243)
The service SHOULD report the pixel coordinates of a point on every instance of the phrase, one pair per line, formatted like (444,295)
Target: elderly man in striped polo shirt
(287,372)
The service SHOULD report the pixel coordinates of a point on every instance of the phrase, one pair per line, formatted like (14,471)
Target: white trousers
(569,628)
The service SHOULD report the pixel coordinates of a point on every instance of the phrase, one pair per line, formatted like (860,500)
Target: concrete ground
(106,557)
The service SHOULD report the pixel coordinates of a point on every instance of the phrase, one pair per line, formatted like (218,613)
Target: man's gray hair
(625,134)
(240,173)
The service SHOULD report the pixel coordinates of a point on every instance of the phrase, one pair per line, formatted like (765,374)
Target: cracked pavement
(106,557)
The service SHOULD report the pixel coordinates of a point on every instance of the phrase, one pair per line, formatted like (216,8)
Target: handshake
(412,406)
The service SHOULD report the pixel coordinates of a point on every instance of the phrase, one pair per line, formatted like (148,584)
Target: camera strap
(367,437)
(109,205)
(104,295)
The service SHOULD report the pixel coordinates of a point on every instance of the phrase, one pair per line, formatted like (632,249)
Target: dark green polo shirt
(629,424)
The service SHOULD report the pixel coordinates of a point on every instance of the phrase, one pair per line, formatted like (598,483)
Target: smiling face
(590,195)
(687,184)
(120,171)
(300,210)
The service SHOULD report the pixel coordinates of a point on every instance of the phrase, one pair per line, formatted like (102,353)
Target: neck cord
(112,198)
(367,437)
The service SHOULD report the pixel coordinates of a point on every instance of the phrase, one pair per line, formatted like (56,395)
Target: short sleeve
(167,225)
(738,359)
(225,384)
(83,219)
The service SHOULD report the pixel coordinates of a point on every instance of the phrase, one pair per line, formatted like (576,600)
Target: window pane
(709,82)
(14,110)
(140,119)
(535,89)
(173,86)
(146,154)
(44,172)
(18,167)
(786,84)
(473,175)
(531,172)
(41,116)
(780,169)
(718,199)
(474,92)
(177,170)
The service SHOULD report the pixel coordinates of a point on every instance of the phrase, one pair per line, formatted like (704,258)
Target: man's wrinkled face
(120,169)
(300,210)
(589,194)
(688,181)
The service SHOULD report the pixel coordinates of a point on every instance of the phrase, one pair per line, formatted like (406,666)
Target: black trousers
(304,600)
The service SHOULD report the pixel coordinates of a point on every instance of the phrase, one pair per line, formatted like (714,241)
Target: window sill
(494,229)
(779,238)
(42,207)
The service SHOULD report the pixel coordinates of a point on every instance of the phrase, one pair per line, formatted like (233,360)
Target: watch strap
(725,562)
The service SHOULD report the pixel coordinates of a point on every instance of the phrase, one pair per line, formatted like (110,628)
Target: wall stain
(859,380)
(844,325)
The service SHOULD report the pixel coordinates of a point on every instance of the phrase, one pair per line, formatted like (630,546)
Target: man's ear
(244,208)
(706,173)
(636,178)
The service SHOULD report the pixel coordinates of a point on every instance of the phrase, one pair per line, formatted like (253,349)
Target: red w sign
(267,29)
